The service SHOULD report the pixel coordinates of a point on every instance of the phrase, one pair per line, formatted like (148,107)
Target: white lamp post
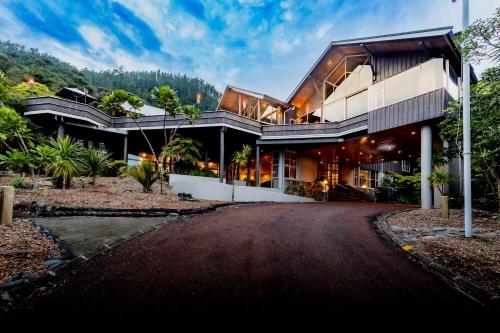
(467,141)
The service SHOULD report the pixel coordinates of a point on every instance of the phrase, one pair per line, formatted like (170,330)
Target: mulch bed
(23,250)
(477,259)
(108,193)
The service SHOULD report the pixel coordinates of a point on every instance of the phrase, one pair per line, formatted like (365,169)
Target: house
(367,106)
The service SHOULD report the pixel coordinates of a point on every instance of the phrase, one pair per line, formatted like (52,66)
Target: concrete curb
(456,281)
(69,262)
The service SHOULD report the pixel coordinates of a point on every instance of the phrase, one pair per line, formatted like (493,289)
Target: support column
(206,161)
(60,127)
(426,166)
(125,148)
(281,170)
(257,166)
(221,156)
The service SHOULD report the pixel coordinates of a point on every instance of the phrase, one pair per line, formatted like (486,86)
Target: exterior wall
(417,109)
(392,64)
(308,168)
(211,189)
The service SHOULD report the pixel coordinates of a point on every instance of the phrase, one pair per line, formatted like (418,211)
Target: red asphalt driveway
(321,258)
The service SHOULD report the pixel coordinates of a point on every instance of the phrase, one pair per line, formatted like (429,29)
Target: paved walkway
(310,258)
(86,235)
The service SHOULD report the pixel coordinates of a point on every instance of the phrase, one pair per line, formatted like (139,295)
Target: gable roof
(434,39)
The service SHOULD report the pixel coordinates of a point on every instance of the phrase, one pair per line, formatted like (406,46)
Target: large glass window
(365,178)
(290,165)
(275,169)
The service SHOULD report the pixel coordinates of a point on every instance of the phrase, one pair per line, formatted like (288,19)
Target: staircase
(346,193)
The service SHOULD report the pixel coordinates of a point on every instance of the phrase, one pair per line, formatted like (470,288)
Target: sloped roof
(230,92)
(435,39)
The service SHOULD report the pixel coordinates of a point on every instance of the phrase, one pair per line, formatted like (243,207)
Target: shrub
(66,163)
(145,174)
(17,182)
(116,168)
(94,162)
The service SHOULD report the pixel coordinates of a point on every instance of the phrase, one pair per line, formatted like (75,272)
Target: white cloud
(323,30)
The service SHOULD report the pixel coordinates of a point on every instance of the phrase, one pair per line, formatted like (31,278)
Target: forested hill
(19,62)
(141,83)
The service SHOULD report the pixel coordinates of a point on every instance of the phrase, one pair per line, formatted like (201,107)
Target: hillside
(141,83)
(19,62)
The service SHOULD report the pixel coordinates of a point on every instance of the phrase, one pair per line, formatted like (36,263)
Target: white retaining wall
(211,189)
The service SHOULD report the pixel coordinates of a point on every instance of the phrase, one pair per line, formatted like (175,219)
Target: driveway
(309,258)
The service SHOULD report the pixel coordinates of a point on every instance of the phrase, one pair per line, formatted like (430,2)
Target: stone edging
(67,262)
(456,281)
(36,210)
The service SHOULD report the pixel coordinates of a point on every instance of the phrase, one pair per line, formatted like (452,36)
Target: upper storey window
(342,94)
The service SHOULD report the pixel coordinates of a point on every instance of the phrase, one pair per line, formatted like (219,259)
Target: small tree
(481,40)
(66,163)
(240,158)
(440,179)
(145,174)
(94,162)
(167,99)
(14,127)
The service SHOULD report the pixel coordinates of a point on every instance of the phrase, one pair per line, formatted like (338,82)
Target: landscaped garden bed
(442,240)
(111,193)
(24,252)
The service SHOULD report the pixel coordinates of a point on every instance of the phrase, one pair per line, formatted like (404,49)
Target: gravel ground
(23,249)
(110,192)
(477,259)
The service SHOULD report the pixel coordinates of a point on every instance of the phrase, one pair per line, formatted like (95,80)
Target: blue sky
(260,45)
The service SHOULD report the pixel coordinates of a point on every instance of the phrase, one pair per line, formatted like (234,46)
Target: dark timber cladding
(413,110)
(390,65)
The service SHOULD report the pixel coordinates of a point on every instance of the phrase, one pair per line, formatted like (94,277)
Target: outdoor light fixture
(399,151)
(343,148)
(413,133)
(373,141)
(360,153)
(363,139)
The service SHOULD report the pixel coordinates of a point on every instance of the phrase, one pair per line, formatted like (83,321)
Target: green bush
(93,163)
(145,174)
(116,168)
(17,182)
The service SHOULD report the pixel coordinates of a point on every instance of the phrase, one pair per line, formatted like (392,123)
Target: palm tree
(145,174)
(94,162)
(240,158)
(66,163)
(42,156)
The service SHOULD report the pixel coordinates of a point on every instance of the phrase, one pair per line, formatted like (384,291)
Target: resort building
(366,107)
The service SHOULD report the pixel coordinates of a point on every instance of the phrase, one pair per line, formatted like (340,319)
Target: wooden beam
(239,104)
(258,110)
